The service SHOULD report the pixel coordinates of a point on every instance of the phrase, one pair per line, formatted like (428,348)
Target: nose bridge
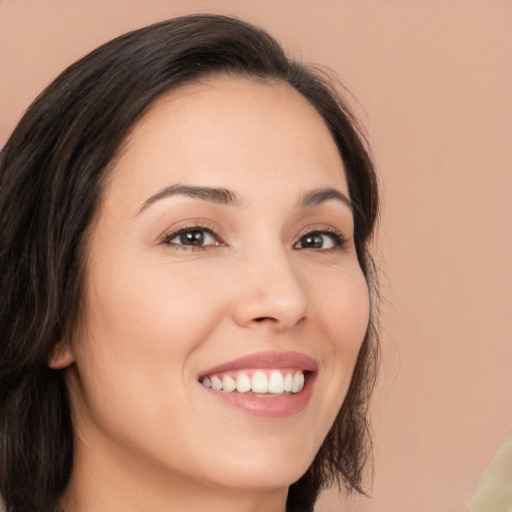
(270,289)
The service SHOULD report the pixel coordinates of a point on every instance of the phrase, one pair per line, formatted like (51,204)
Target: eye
(194,237)
(320,240)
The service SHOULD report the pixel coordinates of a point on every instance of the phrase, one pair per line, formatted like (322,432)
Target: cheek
(344,313)
(140,332)
(153,316)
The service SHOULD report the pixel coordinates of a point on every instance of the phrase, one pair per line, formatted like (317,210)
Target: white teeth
(228,384)
(302,382)
(298,382)
(259,382)
(275,383)
(288,382)
(243,383)
(216,383)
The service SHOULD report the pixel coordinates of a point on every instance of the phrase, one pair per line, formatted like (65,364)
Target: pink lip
(270,407)
(267,360)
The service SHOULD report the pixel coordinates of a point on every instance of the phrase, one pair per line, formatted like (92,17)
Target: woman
(185,218)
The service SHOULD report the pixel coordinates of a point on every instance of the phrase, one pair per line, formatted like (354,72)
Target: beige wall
(434,79)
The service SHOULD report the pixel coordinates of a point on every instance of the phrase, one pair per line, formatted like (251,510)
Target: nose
(270,293)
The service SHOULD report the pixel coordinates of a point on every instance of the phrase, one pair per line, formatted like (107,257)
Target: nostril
(263,318)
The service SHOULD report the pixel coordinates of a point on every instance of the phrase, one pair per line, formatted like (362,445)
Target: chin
(271,467)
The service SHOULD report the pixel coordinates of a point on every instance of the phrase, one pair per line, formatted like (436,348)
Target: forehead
(230,132)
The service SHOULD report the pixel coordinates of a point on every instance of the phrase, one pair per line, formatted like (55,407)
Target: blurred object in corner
(493,489)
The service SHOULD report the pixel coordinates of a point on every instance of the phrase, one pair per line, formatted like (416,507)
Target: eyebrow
(318,196)
(211,194)
(225,196)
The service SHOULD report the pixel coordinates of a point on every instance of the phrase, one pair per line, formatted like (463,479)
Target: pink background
(435,81)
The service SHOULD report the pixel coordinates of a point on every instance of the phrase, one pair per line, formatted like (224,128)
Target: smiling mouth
(264,383)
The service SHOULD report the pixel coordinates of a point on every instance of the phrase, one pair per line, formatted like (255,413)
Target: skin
(157,312)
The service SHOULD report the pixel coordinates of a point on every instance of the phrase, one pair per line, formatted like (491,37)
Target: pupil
(192,238)
(312,241)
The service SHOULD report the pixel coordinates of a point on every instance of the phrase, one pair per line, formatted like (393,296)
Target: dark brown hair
(51,175)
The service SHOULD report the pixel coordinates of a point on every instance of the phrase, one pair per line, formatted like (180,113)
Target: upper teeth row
(276,382)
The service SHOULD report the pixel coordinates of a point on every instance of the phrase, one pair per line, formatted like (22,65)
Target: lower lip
(270,406)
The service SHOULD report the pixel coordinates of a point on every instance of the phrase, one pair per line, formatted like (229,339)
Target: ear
(61,356)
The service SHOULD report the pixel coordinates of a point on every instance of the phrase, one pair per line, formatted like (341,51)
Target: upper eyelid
(323,229)
(174,234)
(191,228)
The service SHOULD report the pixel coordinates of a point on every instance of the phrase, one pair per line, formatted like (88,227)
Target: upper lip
(267,360)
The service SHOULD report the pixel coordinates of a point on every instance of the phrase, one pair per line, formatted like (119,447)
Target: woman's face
(222,254)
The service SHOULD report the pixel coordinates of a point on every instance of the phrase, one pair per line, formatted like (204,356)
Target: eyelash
(337,238)
(167,240)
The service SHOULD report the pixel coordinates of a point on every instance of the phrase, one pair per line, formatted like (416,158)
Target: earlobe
(61,356)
